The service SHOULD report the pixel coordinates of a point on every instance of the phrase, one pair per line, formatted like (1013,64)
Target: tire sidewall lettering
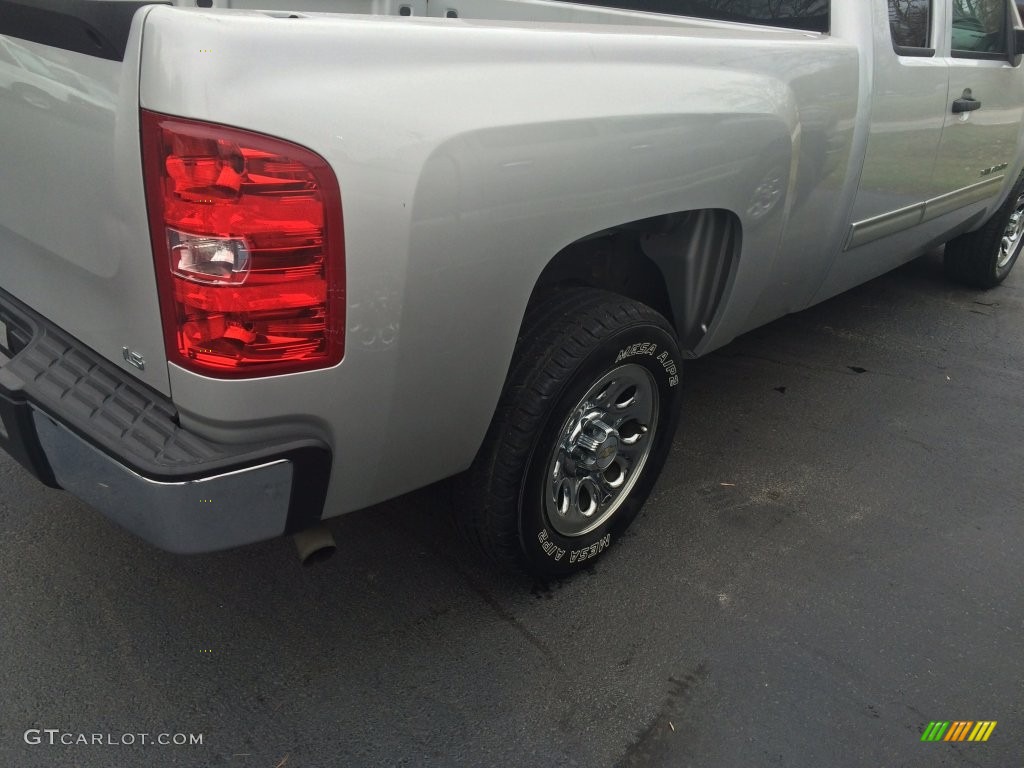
(556,553)
(650,349)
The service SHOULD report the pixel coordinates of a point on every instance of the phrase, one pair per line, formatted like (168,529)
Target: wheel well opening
(678,264)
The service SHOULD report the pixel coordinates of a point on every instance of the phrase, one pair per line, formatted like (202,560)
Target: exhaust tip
(314,545)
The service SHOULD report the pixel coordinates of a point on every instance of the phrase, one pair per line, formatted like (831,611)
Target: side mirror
(1018,42)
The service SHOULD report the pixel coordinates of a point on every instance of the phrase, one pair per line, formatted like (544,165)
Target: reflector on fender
(248,242)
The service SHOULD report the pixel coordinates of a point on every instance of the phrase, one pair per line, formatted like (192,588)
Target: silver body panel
(469,152)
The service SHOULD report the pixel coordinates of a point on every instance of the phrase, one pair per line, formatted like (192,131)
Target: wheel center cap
(597,444)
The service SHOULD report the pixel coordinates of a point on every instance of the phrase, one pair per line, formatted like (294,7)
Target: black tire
(978,259)
(571,342)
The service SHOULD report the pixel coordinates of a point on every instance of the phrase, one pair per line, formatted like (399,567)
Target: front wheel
(984,258)
(582,430)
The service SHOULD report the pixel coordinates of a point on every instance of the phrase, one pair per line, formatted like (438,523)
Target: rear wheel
(582,429)
(984,258)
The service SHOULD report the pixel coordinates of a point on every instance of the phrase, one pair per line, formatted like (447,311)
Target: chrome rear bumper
(215,512)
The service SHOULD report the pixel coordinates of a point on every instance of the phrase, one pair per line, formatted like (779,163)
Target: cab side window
(910,22)
(980,29)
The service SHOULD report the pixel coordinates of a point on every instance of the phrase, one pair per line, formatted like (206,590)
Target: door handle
(966,103)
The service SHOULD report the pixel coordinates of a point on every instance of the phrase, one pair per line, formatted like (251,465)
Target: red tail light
(247,237)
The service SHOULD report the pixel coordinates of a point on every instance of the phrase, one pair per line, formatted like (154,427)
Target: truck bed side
(468,154)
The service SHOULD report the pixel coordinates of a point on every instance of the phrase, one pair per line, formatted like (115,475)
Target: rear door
(908,103)
(986,93)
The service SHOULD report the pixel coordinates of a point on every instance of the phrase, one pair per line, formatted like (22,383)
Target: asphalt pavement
(833,558)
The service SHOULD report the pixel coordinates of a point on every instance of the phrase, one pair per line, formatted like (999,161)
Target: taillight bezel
(151,126)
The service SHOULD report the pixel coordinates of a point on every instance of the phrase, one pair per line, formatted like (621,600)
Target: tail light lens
(247,237)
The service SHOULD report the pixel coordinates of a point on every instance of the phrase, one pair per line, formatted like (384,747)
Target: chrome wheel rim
(600,450)
(1013,237)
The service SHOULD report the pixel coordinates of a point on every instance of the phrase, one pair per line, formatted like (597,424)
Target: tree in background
(989,12)
(769,9)
(910,22)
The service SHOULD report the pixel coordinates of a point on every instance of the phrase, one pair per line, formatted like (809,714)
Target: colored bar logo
(959,730)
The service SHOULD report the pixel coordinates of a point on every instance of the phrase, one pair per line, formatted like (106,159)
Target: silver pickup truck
(264,262)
